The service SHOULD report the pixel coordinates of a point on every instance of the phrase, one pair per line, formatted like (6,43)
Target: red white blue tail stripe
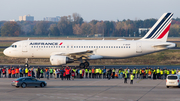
(160,28)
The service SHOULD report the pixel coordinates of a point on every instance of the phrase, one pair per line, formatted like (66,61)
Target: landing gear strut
(26,63)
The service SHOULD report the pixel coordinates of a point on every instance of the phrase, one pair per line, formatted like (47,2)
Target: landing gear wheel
(86,64)
(82,65)
(26,65)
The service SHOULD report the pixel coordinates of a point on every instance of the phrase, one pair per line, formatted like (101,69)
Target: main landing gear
(83,65)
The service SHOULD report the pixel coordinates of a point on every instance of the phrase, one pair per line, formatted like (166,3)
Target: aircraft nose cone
(5,52)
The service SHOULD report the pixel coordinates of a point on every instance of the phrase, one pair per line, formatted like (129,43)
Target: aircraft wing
(76,54)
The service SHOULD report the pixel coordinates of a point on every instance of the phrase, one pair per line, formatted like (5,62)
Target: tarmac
(91,90)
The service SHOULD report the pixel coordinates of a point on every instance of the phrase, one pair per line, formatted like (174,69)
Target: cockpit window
(13,46)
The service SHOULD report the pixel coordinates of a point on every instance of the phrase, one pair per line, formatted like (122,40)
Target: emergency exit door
(24,47)
(138,47)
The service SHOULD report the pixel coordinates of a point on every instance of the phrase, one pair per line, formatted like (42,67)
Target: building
(26,18)
(54,19)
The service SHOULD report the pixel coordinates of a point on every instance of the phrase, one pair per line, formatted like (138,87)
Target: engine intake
(60,60)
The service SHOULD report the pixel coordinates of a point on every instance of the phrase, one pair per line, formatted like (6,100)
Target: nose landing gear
(26,63)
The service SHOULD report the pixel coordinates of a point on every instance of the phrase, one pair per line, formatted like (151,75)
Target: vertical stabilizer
(160,30)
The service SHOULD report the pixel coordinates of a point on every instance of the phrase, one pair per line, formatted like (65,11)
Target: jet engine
(60,60)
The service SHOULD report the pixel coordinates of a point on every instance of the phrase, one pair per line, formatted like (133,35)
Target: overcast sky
(89,9)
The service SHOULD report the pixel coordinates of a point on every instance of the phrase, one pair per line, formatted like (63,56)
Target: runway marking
(139,80)
(149,91)
(102,91)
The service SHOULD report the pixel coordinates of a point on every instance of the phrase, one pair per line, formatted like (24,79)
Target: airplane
(61,52)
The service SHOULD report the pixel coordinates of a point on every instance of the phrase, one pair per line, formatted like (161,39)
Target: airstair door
(138,47)
(24,47)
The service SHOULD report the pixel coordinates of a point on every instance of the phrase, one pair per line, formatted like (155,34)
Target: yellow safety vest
(158,71)
(80,71)
(161,72)
(134,71)
(26,70)
(132,77)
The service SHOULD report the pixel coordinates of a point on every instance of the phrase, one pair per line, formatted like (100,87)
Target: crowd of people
(69,73)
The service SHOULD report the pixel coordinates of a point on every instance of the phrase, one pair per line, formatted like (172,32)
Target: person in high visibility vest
(149,73)
(134,71)
(125,76)
(131,77)
(120,72)
(168,72)
(97,72)
(140,73)
(154,73)
(51,72)
(13,72)
(46,69)
(80,72)
(67,70)
(29,73)
(100,73)
(146,71)
(74,69)
(90,73)
(158,73)
(93,72)
(86,72)
(137,73)
(172,71)
(17,72)
(161,73)
(113,72)
(9,72)
(72,74)
(4,72)
(26,71)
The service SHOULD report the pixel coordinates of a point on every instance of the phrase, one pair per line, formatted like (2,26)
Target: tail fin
(160,30)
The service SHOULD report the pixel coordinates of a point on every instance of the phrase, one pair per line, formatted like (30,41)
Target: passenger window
(31,46)
(106,46)
(111,46)
(46,46)
(101,46)
(81,46)
(116,46)
(67,46)
(96,46)
(129,47)
(121,46)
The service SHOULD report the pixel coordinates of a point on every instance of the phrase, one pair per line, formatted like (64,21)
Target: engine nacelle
(60,60)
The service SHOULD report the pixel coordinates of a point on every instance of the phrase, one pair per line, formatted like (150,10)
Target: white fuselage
(105,48)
